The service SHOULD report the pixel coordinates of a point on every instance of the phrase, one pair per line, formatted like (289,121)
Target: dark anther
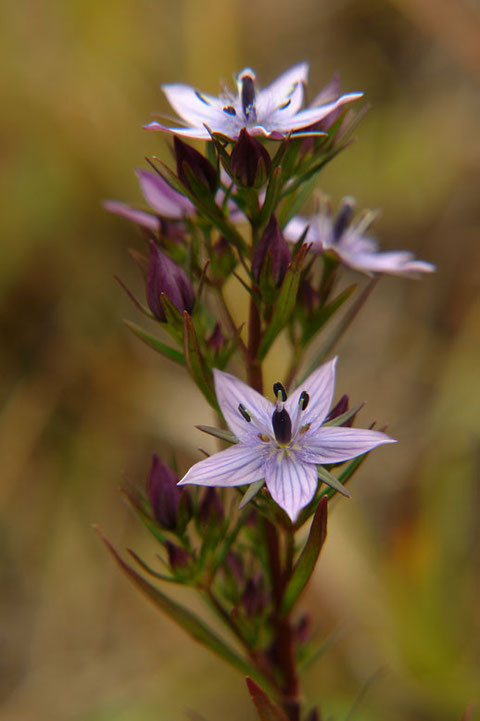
(200,97)
(285,105)
(278,389)
(230,110)
(343,218)
(248,95)
(303,400)
(282,426)
(244,412)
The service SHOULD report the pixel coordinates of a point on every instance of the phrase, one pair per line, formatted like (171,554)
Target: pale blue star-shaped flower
(273,112)
(283,443)
(351,244)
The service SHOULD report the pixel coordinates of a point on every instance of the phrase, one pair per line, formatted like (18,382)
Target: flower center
(246,86)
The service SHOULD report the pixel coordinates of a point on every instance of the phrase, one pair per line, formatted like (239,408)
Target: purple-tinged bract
(167,278)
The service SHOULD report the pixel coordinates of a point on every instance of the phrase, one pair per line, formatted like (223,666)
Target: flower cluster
(229,214)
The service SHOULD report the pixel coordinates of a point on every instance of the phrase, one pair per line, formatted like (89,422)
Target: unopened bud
(272,245)
(166,278)
(197,164)
(340,408)
(216,341)
(250,162)
(177,557)
(254,598)
(211,507)
(163,493)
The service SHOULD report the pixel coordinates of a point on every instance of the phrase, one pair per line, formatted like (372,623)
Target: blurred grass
(83,404)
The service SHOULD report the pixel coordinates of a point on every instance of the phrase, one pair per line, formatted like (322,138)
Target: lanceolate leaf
(218,433)
(285,302)
(266,708)
(306,562)
(251,492)
(155,343)
(180,615)
(332,481)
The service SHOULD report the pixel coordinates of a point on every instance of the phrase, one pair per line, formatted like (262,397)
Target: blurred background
(83,404)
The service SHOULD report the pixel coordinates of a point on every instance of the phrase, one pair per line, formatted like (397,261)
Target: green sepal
(345,475)
(321,316)
(151,571)
(195,362)
(306,561)
(251,492)
(332,481)
(174,319)
(271,198)
(218,433)
(339,420)
(266,708)
(155,343)
(180,615)
(285,303)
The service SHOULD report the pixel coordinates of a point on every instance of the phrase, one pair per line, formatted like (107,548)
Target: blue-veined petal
(230,392)
(290,481)
(287,90)
(235,466)
(335,444)
(320,386)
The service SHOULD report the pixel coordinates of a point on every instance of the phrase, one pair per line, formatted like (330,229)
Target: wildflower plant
(244,527)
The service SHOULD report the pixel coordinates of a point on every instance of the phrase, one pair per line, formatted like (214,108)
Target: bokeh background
(83,404)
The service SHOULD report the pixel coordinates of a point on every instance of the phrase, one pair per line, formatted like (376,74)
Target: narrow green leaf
(323,315)
(219,433)
(285,302)
(346,474)
(306,562)
(251,492)
(151,571)
(155,343)
(271,197)
(182,616)
(266,708)
(344,416)
(196,363)
(331,481)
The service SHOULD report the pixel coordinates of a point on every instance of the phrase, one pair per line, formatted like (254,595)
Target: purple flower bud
(211,507)
(254,599)
(273,245)
(202,169)
(163,493)
(250,162)
(309,298)
(177,557)
(338,409)
(217,340)
(166,278)
(234,564)
(303,631)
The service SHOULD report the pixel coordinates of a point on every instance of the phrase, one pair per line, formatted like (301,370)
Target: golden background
(83,404)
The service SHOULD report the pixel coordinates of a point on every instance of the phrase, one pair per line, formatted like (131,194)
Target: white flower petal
(334,444)
(194,107)
(310,116)
(161,196)
(196,133)
(230,392)
(288,88)
(392,262)
(142,217)
(290,482)
(236,466)
(320,386)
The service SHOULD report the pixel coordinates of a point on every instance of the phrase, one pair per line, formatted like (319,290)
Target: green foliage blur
(84,404)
